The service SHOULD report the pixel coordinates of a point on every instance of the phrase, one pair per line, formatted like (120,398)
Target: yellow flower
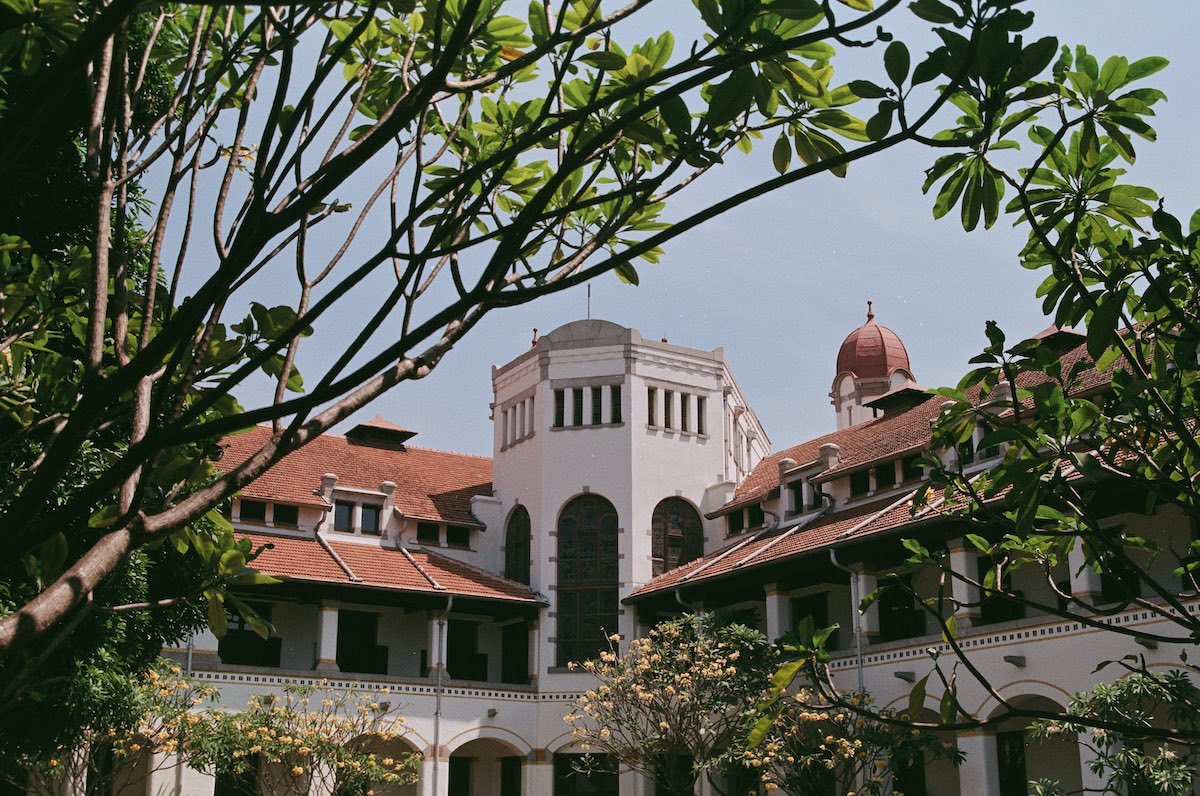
(297,770)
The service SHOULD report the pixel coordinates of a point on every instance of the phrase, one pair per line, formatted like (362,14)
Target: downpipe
(437,690)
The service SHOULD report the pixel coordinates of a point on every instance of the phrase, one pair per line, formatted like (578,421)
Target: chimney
(831,455)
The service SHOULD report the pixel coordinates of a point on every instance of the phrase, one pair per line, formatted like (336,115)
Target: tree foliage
(1113,431)
(676,700)
(238,178)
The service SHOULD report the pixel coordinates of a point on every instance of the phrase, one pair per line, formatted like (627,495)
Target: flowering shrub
(340,739)
(672,703)
(164,720)
(817,748)
(1134,760)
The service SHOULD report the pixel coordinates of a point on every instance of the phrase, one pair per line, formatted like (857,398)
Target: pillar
(327,636)
(978,775)
(439,629)
(435,774)
(964,564)
(869,621)
(779,612)
(534,642)
(537,773)
(1085,581)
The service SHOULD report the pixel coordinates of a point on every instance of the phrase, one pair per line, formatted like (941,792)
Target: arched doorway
(485,767)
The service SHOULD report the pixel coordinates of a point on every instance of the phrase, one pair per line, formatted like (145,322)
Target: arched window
(516,546)
(587,577)
(676,534)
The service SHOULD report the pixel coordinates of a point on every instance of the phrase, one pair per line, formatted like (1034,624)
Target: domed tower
(871,362)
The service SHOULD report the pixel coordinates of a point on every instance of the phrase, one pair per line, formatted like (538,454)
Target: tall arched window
(516,546)
(587,577)
(677,536)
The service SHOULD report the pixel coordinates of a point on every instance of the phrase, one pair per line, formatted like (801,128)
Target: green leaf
(916,697)
(948,706)
(731,98)
(605,59)
(933,11)
(865,89)
(781,155)
(218,623)
(896,62)
(627,273)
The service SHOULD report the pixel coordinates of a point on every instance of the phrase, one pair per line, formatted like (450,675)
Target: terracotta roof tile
(854,523)
(305,559)
(430,484)
(295,558)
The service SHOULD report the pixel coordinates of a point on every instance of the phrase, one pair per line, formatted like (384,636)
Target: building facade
(630,477)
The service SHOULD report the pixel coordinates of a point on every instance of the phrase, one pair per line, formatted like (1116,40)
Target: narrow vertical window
(560,408)
(616,403)
(651,406)
(668,409)
(370,520)
(684,400)
(343,516)
(529,416)
(520,410)
(577,406)
(700,414)
(597,399)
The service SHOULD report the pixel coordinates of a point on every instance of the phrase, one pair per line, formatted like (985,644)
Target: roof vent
(378,432)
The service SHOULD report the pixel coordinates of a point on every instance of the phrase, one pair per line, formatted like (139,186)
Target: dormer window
(285,515)
(885,475)
(253,511)
(352,517)
(860,483)
(343,516)
(458,536)
(429,533)
(735,522)
(911,469)
(966,452)
(756,518)
(370,520)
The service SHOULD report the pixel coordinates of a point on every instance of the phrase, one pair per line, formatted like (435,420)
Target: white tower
(614,447)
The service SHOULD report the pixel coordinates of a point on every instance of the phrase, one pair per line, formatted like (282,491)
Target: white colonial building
(630,477)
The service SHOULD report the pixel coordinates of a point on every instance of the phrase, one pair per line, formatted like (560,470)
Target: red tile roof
(895,434)
(382,566)
(854,523)
(430,484)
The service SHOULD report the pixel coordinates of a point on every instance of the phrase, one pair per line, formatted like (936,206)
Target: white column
(779,612)
(534,645)
(537,774)
(427,785)
(964,562)
(1085,581)
(529,414)
(867,583)
(978,775)
(634,784)
(438,630)
(327,635)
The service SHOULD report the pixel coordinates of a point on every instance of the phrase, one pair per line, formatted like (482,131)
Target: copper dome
(872,351)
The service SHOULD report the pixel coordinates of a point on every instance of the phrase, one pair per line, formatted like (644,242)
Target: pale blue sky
(781,281)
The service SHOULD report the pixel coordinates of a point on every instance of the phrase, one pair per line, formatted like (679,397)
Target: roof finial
(534,341)
(870,314)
